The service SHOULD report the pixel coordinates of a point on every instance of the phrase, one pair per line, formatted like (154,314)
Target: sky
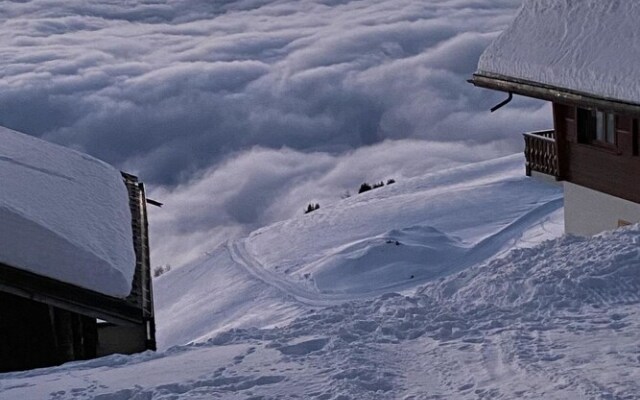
(238,113)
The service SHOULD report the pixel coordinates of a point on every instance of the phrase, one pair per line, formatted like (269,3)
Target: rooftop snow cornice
(568,49)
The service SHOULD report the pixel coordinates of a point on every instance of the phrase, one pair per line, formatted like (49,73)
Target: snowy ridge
(586,46)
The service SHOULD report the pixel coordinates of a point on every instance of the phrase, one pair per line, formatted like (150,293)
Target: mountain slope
(442,223)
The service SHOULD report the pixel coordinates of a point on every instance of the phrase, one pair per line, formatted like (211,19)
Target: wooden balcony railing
(541,153)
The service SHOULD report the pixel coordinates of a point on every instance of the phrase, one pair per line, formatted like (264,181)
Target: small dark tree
(365,187)
(377,185)
(391,181)
(311,207)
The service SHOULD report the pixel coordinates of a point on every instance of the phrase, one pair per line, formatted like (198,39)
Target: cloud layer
(208,101)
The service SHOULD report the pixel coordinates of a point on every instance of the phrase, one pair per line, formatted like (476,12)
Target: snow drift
(65,215)
(417,252)
(588,46)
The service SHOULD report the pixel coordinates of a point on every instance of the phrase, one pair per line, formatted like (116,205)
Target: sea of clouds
(237,113)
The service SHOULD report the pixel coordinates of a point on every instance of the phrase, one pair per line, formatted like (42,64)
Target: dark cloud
(183,90)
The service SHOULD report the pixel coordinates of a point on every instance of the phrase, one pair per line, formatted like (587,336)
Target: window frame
(597,127)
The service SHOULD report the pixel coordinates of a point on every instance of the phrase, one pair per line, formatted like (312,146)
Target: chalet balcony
(541,153)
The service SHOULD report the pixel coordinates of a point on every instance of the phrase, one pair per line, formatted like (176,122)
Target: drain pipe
(504,103)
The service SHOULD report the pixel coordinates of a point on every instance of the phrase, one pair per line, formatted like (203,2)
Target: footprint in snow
(466,387)
(303,348)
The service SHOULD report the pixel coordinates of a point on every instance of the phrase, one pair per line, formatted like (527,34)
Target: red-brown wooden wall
(615,171)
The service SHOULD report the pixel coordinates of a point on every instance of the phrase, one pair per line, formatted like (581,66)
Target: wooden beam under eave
(67,296)
(554,94)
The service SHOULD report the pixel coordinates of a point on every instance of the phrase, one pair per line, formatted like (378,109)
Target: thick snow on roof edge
(64,215)
(588,46)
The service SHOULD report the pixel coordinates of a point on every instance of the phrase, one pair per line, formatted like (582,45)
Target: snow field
(424,227)
(347,251)
(559,321)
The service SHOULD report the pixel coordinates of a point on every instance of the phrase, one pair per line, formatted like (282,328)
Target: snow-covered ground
(406,292)
(443,222)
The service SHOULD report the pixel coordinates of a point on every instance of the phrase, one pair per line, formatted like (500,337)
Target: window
(596,127)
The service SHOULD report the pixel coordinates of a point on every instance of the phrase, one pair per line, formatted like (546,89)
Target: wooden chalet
(555,51)
(46,322)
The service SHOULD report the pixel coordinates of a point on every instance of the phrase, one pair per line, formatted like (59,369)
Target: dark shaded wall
(614,170)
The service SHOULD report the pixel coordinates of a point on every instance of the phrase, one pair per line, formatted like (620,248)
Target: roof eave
(551,93)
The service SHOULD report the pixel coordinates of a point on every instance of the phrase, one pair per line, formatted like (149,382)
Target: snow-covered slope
(556,321)
(587,46)
(389,239)
(65,215)
(408,232)
(271,316)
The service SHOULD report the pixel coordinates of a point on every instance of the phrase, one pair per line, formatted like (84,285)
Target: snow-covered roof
(65,215)
(587,46)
